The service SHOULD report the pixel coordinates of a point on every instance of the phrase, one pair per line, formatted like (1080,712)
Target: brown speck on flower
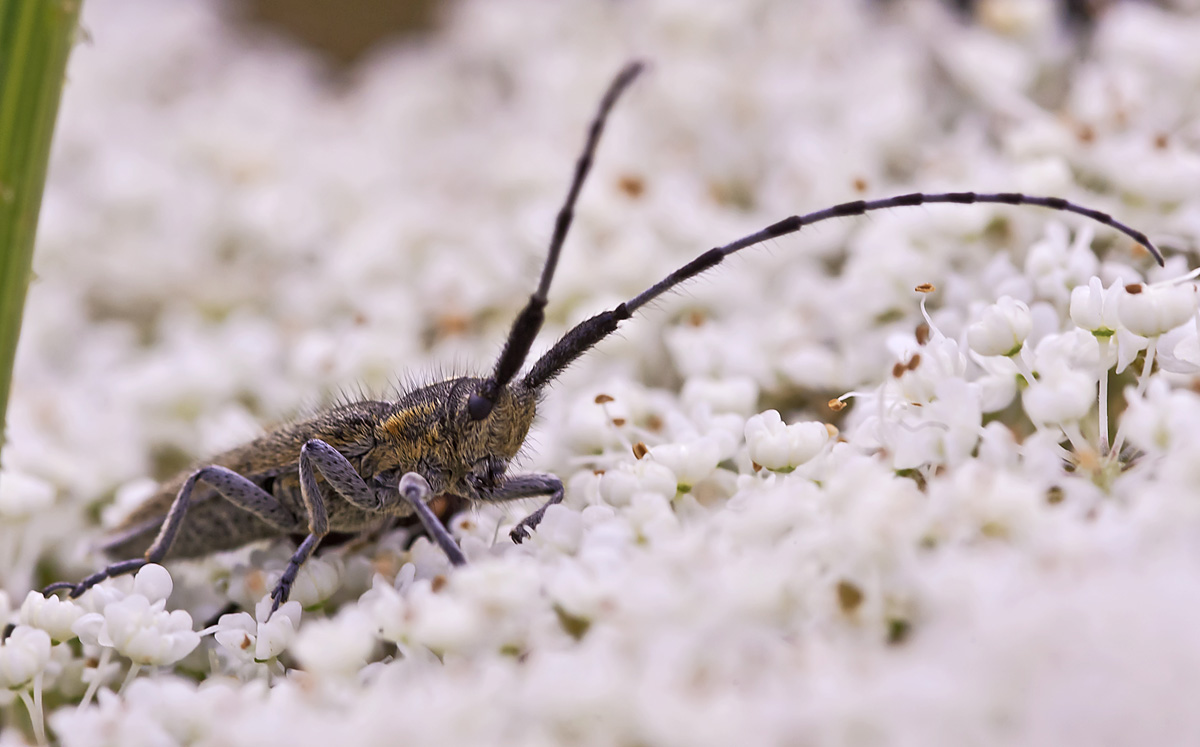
(603,399)
(1133,289)
(757,467)
(640,449)
(836,405)
(913,362)
(695,317)
(925,288)
(632,185)
(654,423)
(922,333)
(849,596)
(1085,133)
(246,642)
(898,370)
(437,583)
(618,422)
(1054,495)
(1161,141)
(860,184)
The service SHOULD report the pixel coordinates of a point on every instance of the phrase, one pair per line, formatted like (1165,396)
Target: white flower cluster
(137,624)
(804,504)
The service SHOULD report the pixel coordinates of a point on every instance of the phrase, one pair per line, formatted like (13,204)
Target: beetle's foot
(112,571)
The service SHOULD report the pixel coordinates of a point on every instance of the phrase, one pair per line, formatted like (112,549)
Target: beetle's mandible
(351,467)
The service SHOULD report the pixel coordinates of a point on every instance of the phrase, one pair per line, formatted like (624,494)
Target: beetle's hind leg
(527,486)
(231,486)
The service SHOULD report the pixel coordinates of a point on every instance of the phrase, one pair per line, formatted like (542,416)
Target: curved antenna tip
(1154,252)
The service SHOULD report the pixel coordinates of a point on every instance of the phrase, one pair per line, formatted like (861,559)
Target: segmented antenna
(583,336)
(529,321)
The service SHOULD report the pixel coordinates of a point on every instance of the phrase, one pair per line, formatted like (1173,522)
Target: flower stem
(94,685)
(1143,382)
(134,668)
(34,707)
(1102,406)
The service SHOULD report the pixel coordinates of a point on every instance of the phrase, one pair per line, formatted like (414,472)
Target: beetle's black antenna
(529,321)
(583,336)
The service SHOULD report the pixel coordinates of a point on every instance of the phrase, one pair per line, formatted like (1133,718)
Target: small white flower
(650,515)
(1151,310)
(51,614)
(23,654)
(386,607)
(1002,329)
(691,462)
(1179,350)
(338,645)
(23,495)
(1128,347)
(618,486)
(317,580)
(444,623)
(153,582)
(134,626)
(778,446)
(1061,395)
(1161,420)
(264,635)
(1094,308)
(146,633)
(940,359)
(561,528)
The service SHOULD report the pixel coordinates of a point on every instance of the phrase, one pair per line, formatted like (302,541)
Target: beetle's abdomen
(211,525)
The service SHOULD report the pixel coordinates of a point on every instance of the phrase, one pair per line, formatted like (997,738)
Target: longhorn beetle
(351,467)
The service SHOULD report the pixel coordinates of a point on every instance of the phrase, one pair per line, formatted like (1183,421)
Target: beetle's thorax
(430,432)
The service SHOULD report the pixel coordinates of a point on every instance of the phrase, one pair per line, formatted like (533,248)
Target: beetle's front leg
(415,489)
(528,486)
(318,456)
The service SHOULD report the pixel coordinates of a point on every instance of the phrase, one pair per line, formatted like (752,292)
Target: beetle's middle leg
(318,456)
(231,486)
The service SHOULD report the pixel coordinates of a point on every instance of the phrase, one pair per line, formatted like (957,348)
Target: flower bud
(777,446)
(22,655)
(51,614)
(1094,308)
(1149,310)
(1002,329)
(1062,395)
(691,462)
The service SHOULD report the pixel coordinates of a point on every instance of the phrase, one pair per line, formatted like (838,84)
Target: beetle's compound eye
(479,406)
